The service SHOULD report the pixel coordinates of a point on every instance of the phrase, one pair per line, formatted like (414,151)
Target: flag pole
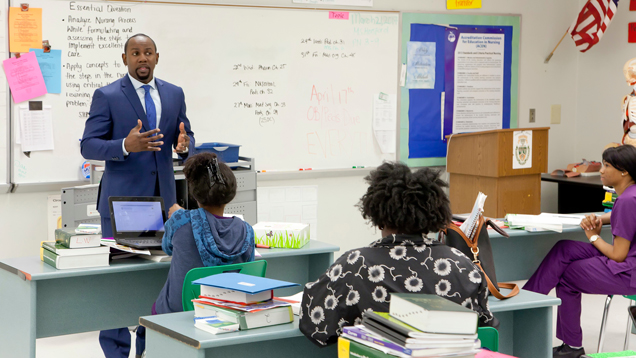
(555,47)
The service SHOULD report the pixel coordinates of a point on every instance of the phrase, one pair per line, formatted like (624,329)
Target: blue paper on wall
(51,67)
(425,110)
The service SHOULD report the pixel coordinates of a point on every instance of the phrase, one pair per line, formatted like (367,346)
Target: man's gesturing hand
(184,140)
(143,142)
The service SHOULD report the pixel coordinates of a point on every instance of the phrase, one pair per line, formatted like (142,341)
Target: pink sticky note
(339,15)
(24,77)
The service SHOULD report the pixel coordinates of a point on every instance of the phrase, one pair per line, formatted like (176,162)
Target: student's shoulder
(183,232)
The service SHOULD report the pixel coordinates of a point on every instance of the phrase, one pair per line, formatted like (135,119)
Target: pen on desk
(357,166)
(261,246)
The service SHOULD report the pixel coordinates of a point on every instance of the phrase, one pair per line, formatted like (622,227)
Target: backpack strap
(472,244)
(513,286)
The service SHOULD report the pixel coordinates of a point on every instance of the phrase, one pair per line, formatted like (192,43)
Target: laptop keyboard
(145,243)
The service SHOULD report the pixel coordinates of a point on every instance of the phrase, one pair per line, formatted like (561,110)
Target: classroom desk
(38,301)
(525,331)
(519,256)
(578,194)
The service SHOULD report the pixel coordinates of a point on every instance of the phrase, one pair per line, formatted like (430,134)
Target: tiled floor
(86,345)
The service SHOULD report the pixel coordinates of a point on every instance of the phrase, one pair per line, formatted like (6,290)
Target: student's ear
(157,58)
(123,58)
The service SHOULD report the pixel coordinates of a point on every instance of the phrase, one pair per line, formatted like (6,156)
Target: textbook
(246,320)
(366,337)
(383,324)
(226,295)
(65,251)
(253,307)
(73,262)
(214,325)
(349,348)
(236,287)
(433,314)
(72,240)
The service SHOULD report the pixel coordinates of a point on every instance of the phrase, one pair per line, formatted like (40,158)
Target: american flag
(588,28)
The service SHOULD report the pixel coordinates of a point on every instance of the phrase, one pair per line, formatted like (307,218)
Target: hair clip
(214,173)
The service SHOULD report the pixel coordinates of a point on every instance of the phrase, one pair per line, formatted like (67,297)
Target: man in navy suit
(133,124)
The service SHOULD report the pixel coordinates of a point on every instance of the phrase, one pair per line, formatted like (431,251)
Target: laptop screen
(137,216)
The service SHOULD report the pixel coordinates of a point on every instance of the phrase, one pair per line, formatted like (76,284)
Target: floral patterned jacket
(363,279)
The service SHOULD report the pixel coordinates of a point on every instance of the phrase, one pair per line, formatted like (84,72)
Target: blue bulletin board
(426,114)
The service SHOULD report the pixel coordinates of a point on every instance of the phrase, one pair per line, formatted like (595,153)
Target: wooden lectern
(482,161)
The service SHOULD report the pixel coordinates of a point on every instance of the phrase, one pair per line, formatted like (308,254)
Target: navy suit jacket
(114,112)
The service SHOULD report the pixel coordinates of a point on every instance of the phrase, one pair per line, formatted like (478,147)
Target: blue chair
(190,291)
(601,336)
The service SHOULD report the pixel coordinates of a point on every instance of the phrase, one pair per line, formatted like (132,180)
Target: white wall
(602,87)
(543,22)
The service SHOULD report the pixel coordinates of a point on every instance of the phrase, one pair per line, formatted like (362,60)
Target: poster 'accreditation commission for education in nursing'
(479,82)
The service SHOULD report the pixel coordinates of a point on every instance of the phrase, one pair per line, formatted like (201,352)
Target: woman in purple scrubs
(575,267)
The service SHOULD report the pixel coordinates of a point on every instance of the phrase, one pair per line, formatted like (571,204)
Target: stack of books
(245,300)
(417,325)
(72,250)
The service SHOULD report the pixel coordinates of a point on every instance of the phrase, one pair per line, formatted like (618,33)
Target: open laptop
(137,220)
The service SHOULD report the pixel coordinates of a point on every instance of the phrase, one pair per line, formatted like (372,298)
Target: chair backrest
(489,338)
(190,291)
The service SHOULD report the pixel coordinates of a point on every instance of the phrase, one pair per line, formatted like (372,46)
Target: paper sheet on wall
(295,204)
(24,77)
(384,121)
(54,213)
(479,82)
(51,67)
(336,2)
(420,65)
(25,29)
(36,129)
(522,149)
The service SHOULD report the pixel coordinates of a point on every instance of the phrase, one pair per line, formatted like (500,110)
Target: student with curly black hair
(203,237)
(405,206)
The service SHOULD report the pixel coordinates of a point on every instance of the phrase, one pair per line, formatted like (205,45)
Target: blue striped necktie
(151,111)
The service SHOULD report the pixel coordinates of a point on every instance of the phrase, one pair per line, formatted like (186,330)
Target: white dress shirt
(154,94)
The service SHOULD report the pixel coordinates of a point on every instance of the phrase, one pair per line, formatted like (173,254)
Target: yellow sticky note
(343,348)
(463,4)
(25,29)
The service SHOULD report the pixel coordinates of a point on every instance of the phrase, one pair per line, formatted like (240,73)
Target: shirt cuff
(123,147)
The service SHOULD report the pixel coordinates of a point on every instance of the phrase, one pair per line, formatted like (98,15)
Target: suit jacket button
(153,173)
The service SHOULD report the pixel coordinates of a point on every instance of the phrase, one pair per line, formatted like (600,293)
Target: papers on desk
(543,221)
(294,300)
(471,222)
(113,244)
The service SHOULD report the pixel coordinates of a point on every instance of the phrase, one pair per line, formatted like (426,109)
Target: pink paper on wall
(339,15)
(24,77)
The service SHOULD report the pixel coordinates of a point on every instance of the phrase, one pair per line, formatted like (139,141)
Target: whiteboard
(293,87)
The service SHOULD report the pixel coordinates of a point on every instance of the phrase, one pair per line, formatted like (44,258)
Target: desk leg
(162,346)
(17,313)
(526,333)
